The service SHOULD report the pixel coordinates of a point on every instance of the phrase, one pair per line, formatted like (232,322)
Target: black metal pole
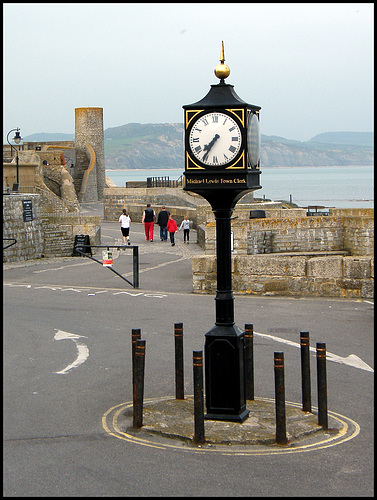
(281,435)
(135,259)
(322,385)
(135,335)
(17,139)
(18,179)
(305,372)
(224,294)
(199,435)
(249,361)
(178,344)
(135,284)
(224,345)
(139,384)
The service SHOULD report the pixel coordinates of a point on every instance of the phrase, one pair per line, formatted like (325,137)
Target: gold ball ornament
(222,71)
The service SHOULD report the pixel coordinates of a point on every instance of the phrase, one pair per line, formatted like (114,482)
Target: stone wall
(45,235)
(60,230)
(291,275)
(29,235)
(294,254)
(295,233)
(134,200)
(117,198)
(26,174)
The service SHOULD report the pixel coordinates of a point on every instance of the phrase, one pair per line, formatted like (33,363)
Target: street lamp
(17,139)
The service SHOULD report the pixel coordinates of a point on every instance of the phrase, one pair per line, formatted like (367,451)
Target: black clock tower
(222,143)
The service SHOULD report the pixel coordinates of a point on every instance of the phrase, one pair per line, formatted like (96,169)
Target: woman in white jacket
(185,225)
(125,221)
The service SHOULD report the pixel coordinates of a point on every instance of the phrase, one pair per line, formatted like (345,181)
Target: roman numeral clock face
(215,139)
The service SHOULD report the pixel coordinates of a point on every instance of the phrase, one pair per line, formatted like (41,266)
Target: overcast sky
(308,65)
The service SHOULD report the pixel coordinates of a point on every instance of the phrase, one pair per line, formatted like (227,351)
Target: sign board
(82,243)
(28,210)
(107,258)
(222,180)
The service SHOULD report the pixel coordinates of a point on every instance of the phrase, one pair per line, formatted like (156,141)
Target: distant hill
(160,145)
(48,137)
(151,145)
(349,138)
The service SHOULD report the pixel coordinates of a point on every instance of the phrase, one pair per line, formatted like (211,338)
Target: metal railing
(164,182)
(9,239)
(135,260)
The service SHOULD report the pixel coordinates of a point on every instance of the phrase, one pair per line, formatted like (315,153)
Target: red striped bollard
(178,343)
(138,395)
(305,372)
(249,361)
(322,385)
(281,433)
(197,360)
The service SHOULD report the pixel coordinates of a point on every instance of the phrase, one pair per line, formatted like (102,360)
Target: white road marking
(61,267)
(49,287)
(156,295)
(351,360)
(83,351)
(12,284)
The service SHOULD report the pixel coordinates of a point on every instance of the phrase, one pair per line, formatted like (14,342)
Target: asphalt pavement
(68,390)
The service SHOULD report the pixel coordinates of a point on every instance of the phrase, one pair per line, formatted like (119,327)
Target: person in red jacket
(172,228)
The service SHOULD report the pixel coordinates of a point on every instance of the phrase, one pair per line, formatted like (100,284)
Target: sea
(338,187)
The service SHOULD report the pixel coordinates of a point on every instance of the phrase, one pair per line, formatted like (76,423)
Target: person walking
(148,219)
(162,221)
(172,228)
(185,225)
(125,221)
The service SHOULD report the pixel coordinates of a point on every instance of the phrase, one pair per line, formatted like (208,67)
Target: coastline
(337,186)
(140,169)
(175,169)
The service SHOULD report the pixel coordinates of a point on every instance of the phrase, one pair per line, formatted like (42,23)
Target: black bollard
(322,385)
(281,434)
(135,335)
(138,394)
(135,263)
(305,372)
(197,360)
(178,341)
(249,361)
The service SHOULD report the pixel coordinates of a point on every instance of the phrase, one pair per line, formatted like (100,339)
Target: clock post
(222,142)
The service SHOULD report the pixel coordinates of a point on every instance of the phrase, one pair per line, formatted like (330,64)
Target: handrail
(135,250)
(8,239)
(164,182)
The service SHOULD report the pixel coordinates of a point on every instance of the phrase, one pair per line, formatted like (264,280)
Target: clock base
(225,374)
(227,417)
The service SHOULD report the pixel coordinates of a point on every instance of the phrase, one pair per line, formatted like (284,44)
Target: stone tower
(89,176)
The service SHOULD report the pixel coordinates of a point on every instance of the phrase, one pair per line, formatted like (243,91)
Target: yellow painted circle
(349,429)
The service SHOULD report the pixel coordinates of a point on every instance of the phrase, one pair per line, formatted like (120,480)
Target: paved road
(58,387)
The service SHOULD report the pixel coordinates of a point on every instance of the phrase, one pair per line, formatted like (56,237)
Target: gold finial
(222,70)
(222,57)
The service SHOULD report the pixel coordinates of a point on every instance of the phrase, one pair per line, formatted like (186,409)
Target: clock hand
(209,146)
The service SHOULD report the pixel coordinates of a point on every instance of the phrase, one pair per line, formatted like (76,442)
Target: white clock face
(253,140)
(215,139)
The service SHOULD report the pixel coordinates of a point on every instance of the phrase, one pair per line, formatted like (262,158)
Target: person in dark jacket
(162,221)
